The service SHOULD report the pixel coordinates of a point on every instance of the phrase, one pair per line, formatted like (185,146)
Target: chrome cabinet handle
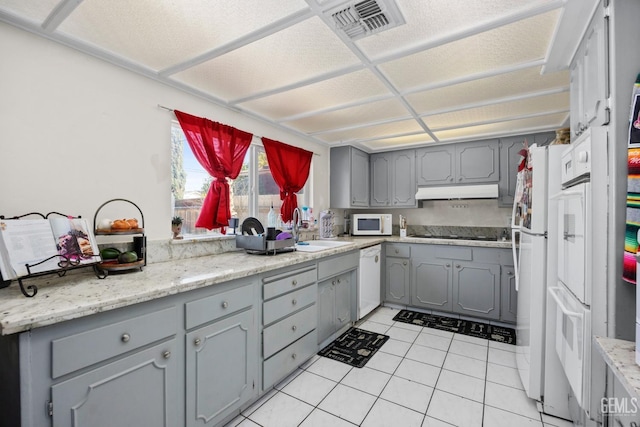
(197,341)
(568,236)
(457,265)
(225,304)
(166,354)
(447,265)
(333,282)
(294,328)
(404,262)
(339,281)
(294,302)
(125,337)
(294,282)
(293,356)
(376,258)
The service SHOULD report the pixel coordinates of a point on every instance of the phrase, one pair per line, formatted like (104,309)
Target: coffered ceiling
(403,73)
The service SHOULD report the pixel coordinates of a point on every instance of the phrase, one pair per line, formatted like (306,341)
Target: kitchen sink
(320,245)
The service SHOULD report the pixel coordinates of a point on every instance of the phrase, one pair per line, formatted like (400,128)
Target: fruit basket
(126,260)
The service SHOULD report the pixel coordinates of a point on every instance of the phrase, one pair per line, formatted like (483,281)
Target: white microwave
(371,225)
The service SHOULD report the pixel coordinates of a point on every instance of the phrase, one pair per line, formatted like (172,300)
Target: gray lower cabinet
(476,289)
(337,289)
(290,320)
(334,305)
(220,380)
(470,281)
(137,390)
(397,269)
(509,295)
(432,283)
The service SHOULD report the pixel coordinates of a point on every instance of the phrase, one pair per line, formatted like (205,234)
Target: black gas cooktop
(456,237)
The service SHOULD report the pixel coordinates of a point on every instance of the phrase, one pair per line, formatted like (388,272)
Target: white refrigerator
(534,223)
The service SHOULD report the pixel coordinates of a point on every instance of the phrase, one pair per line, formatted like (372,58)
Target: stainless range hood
(485,191)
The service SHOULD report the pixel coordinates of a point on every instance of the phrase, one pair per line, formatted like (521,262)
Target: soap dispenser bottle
(271,217)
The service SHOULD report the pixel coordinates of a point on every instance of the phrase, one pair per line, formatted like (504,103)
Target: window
(252,192)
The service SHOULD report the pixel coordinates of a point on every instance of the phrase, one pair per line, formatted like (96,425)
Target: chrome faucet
(295,219)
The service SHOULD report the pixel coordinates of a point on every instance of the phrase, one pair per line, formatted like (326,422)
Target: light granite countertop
(80,293)
(620,355)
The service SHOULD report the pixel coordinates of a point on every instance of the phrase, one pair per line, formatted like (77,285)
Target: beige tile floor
(420,377)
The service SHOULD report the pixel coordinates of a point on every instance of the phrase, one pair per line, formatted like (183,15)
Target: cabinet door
(380,173)
(477,162)
(342,286)
(595,87)
(508,295)
(138,390)
(435,165)
(431,283)
(476,289)
(221,368)
(359,178)
(397,272)
(326,309)
(509,160)
(403,179)
(577,121)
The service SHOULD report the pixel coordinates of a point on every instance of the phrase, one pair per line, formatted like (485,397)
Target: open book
(31,246)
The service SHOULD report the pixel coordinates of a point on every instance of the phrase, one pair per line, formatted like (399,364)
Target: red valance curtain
(220,149)
(290,169)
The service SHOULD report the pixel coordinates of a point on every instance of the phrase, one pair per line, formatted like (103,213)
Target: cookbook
(33,246)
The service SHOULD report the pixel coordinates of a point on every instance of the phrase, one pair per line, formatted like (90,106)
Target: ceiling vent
(358,19)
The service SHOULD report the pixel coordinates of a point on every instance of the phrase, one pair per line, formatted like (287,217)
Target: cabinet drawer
(219,305)
(448,252)
(398,251)
(96,345)
(284,305)
(286,331)
(283,363)
(338,264)
(277,285)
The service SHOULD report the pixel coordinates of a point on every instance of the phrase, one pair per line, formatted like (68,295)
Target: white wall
(77,131)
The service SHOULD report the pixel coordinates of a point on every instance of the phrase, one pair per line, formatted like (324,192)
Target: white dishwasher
(369,280)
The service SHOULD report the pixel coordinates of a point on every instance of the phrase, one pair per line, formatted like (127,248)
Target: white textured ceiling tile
(484,90)
(398,142)
(369,132)
(501,111)
(534,124)
(161,33)
(510,45)
(347,89)
(360,115)
(32,10)
(429,20)
(304,51)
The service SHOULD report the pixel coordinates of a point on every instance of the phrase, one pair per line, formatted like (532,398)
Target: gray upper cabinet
(464,163)
(435,165)
(477,162)
(393,179)
(589,79)
(349,178)
(509,161)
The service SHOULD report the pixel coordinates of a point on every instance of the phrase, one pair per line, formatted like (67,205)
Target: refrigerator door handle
(513,215)
(516,267)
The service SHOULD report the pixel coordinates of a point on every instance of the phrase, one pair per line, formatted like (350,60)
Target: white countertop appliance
(369,280)
(535,221)
(371,225)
